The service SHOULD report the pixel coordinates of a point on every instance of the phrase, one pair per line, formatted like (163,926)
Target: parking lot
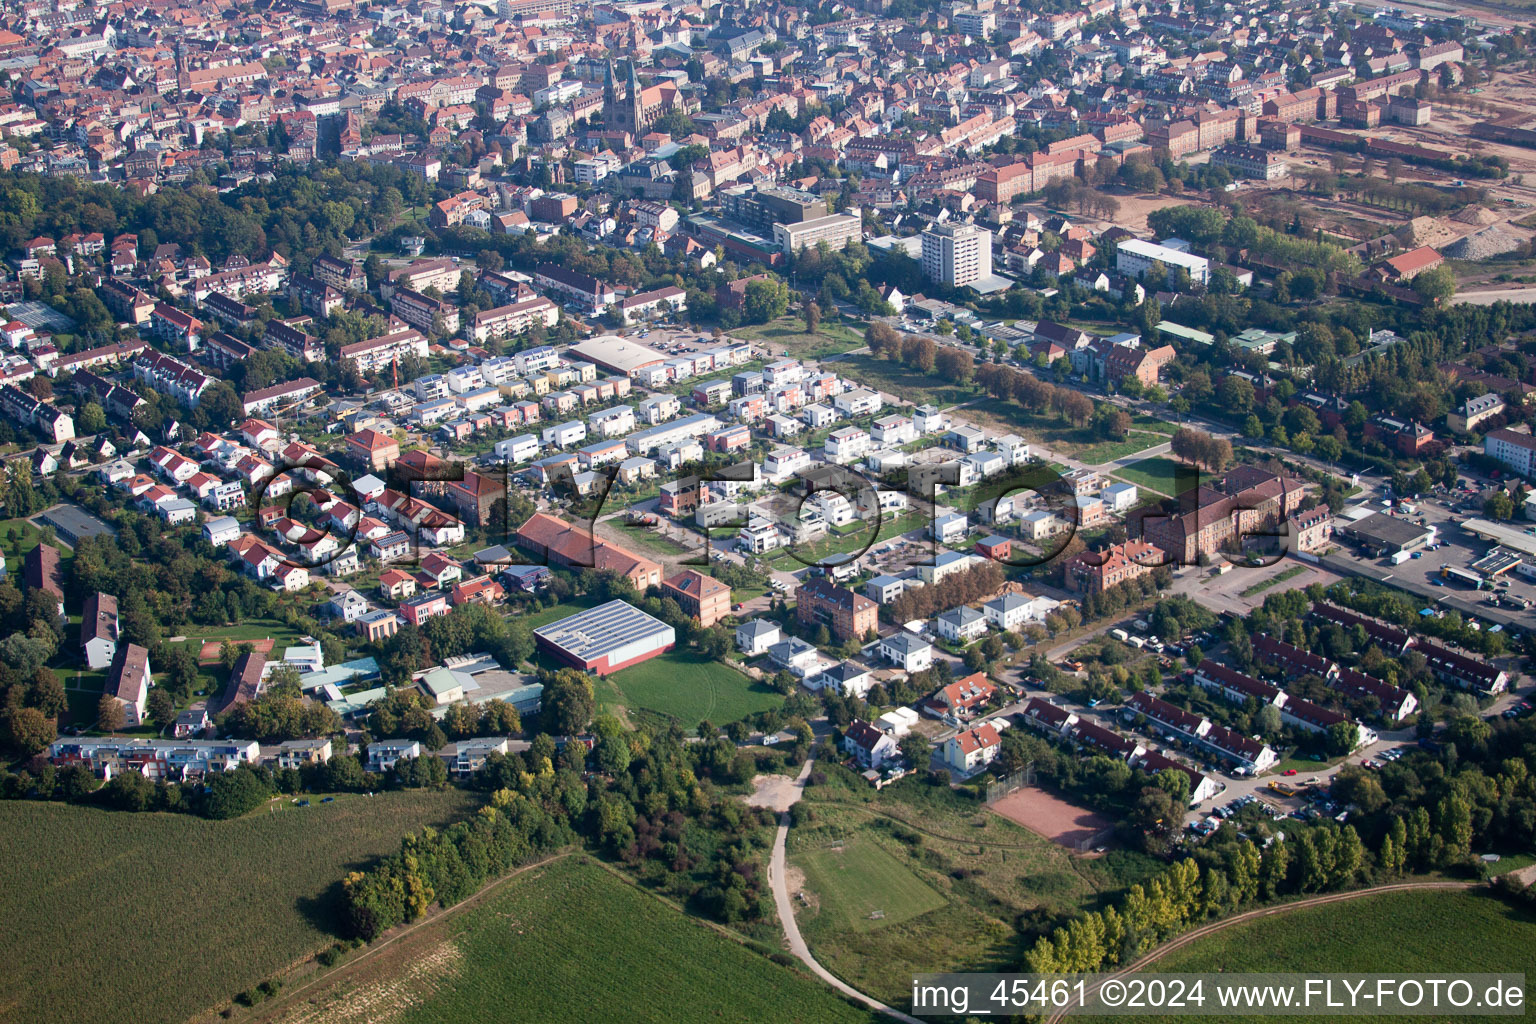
(1455,547)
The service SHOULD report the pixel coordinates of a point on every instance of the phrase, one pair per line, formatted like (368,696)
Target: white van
(1119,634)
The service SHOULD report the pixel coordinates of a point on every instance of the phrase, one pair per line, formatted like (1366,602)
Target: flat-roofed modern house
(606,638)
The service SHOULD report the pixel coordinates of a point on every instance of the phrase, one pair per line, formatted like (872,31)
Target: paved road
(778,879)
(1215,926)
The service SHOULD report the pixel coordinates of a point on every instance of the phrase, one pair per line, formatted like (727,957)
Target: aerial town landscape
(541,510)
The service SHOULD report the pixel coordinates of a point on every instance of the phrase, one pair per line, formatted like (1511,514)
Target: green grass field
(569,941)
(553,613)
(1280,577)
(1394,933)
(1061,437)
(1161,474)
(908,385)
(249,629)
(688,688)
(985,870)
(27,537)
(200,910)
(787,335)
(857,879)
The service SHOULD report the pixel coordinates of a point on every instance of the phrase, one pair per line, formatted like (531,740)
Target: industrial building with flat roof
(606,638)
(620,355)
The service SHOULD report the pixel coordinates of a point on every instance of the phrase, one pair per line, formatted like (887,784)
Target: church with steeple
(637,108)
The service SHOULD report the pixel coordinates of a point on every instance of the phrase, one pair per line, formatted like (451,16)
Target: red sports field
(1052,817)
(210,649)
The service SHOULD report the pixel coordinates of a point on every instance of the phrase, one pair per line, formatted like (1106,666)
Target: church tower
(610,97)
(635,121)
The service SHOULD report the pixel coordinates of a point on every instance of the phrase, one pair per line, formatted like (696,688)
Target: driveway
(777,879)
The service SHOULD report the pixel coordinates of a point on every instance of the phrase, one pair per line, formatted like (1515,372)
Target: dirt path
(1181,941)
(778,879)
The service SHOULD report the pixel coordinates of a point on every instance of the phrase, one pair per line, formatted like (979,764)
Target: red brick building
(846,614)
(703,597)
(1093,572)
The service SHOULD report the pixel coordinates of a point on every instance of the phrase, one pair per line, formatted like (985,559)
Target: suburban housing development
(917,487)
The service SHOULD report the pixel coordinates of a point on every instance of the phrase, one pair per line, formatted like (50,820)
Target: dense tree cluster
(975,584)
(1199,447)
(655,807)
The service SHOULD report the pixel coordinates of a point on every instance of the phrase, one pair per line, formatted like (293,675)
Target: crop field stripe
(187,884)
(1148,959)
(273,1010)
(533,945)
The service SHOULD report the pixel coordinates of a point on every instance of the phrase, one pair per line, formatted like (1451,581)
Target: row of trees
(920,354)
(1423,813)
(1316,860)
(1199,447)
(1033,393)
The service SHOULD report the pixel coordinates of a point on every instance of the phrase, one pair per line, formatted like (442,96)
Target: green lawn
(1399,933)
(1061,436)
(859,887)
(27,538)
(684,686)
(250,629)
(646,538)
(553,613)
(569,941)
(787,336)
(185,889)
(1280,577)
(908,385)
(990,873)
(1166,476)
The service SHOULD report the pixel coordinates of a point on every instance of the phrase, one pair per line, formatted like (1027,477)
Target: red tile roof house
(479,590)
(1406,266)
(963,697)
(442,569)
(397,585)
(974,748)
(867,745)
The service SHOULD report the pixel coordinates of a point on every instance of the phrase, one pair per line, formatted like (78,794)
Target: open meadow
(952,880)
(788,337)
(1061,436)
(530,950)
(893,378)
(1161,474)
(861,887)
(1391,933)
(685,686)
(160,915)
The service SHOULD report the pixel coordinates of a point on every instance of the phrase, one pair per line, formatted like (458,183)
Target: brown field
(1052,817)
(208,654)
